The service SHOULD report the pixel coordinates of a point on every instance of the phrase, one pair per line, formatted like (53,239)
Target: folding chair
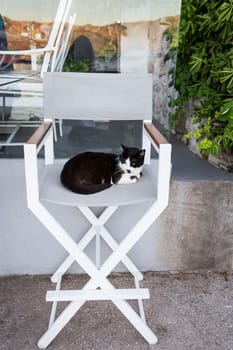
(97,97)
(29,83)
(50,52)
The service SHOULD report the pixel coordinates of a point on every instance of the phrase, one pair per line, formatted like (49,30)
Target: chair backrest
(98,96)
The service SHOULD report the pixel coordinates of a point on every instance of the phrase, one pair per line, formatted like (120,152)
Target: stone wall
(197,228)
(161,69)
(185,125)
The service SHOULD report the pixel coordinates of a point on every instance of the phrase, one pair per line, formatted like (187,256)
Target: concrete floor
(186,310)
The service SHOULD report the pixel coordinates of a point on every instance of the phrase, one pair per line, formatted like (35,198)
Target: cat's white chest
(130,175)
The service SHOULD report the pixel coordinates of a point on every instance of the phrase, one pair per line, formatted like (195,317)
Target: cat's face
(132,160)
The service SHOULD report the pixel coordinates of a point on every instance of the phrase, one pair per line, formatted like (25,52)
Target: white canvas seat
(109,97)
(52,191)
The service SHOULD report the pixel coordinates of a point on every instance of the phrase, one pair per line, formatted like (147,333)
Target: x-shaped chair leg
(98,277)
(97,225)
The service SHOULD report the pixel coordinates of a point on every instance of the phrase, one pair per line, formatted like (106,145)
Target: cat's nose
(128,171)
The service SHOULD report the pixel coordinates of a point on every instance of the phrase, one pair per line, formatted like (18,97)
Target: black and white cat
(92,172)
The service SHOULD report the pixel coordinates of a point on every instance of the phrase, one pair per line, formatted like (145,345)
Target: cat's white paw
(133,179)
(127,179)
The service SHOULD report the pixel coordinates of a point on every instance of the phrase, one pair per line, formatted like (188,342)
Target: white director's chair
(97,97)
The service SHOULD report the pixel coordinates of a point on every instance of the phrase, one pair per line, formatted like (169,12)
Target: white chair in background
(30,83)
(97,97)
(54,51)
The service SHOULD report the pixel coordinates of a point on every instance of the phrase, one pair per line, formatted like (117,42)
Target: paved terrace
(186,310)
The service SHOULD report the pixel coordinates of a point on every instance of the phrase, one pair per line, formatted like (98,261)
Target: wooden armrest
(40,133)
(154,133)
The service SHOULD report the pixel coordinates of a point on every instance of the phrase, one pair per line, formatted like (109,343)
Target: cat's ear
(141,153)
(124,148)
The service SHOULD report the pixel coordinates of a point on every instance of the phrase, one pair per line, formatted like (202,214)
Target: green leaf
(204,71)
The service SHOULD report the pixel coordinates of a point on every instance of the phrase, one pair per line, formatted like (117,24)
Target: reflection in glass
(27,25)
(122,36)
(131,36)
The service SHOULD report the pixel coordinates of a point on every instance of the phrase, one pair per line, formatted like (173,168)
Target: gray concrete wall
(195,232)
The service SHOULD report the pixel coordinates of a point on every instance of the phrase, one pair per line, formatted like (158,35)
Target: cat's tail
(86,189)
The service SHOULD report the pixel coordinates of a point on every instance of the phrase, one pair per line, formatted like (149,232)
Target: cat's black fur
(92,172)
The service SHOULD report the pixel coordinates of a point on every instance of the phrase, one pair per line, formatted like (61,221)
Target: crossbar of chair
(107,237)
(86,239)
(104,234)
(123,294)
(89,235)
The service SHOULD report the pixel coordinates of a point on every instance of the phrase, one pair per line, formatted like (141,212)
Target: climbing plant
(204,72)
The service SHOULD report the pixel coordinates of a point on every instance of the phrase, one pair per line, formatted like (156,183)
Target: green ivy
(204,71)
(77,66)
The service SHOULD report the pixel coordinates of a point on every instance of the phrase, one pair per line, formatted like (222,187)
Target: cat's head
(132,159)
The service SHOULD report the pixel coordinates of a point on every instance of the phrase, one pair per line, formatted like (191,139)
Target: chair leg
(125,260)
(54,305)
(74,307)
(98,277)
(54,130)
(140,304)
(98,247)
(89,236)
(60,127)
(86,238)
(107,237)
(70,260)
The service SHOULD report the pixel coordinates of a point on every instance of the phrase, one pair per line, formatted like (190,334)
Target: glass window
(27,25)
(108,36)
